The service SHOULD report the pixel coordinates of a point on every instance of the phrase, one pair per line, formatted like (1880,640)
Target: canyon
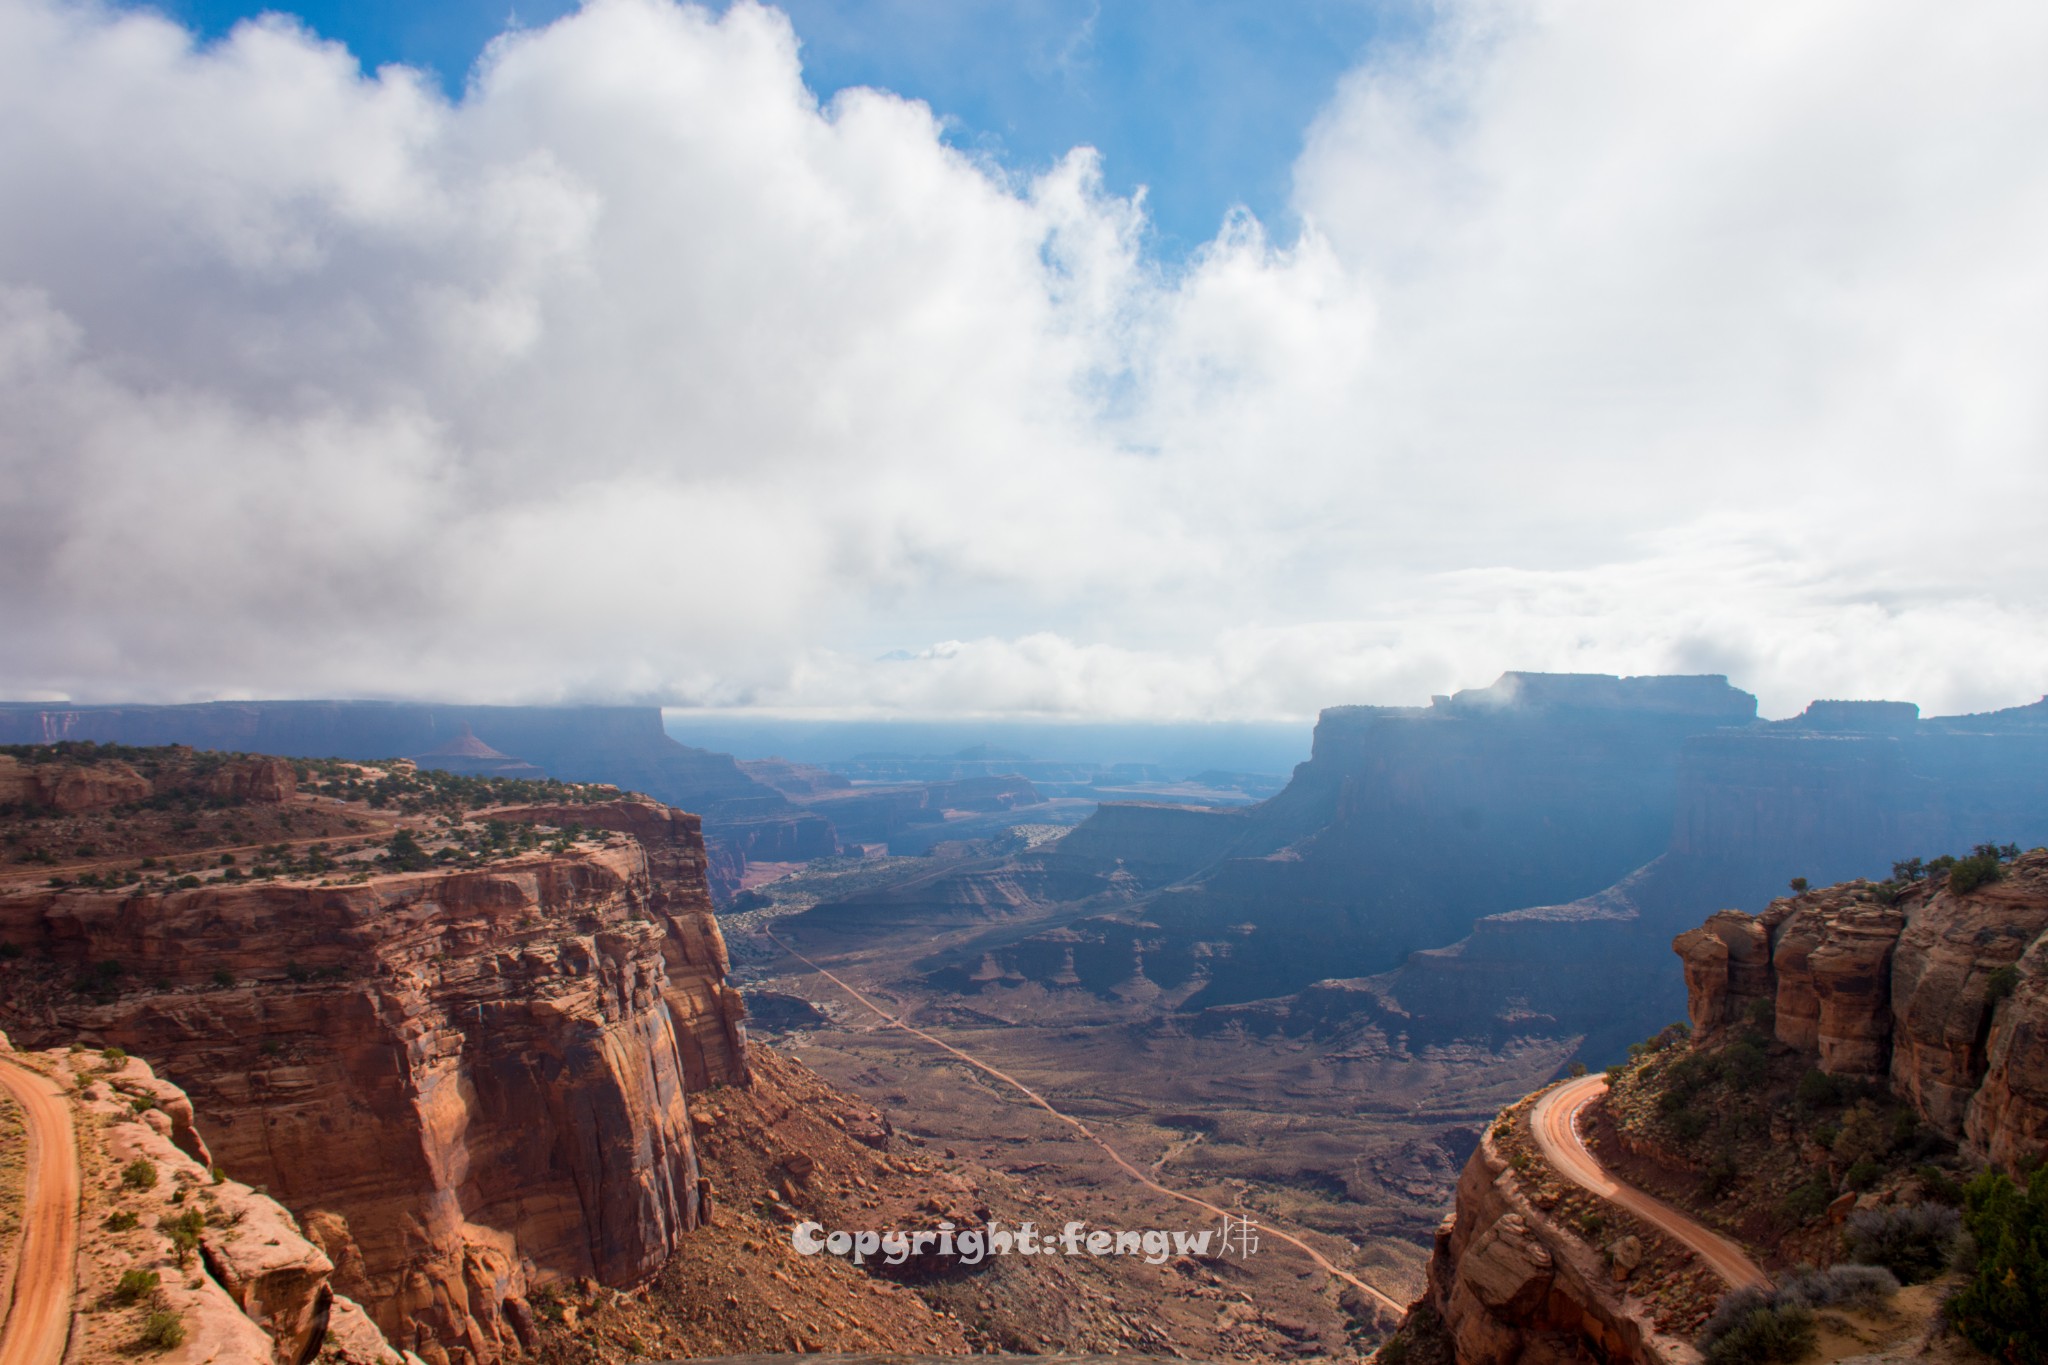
(1508,862)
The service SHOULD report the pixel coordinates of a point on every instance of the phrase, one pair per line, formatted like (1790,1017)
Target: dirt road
(38,1322)
(1555,1122)
(1322,1261)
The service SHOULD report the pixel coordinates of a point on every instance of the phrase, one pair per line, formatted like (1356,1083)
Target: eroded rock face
(1510,1286)
(1942,994)
(260,1291)
(1727,968)
(708,1013)
(1941,981)
(2008,1117)
(72,788)
(464,1082)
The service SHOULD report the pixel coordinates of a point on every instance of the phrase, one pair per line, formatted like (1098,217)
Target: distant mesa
(984,753)
(468,756)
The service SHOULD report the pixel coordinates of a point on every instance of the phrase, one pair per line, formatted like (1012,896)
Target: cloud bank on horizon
(1616,339)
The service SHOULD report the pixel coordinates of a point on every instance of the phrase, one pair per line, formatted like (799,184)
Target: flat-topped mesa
(82,778)
(709,1014)
(464,1082)
(625,746)
(1938,989)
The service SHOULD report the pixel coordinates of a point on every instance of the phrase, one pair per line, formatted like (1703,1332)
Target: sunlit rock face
(463,1083)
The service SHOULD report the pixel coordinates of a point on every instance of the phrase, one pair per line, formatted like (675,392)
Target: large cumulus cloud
(1616,338)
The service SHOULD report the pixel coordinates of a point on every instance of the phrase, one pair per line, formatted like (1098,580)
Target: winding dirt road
(1555,1121)
(1322,1261)
(39,1319)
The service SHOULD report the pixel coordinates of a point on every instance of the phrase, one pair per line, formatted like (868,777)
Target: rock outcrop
(466,1083)
(257,1289)
(1940,993)
(708,1013)
(1509,1285)
(85,781)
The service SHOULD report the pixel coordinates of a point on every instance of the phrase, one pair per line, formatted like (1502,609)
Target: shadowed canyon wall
(1843,790)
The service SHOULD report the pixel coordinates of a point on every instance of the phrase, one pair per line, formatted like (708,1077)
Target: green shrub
(1689,1124)
(162,1331)
(139,1174)
(2003,1310)
(223,977)
(1862,1175)
(1914,1243)
(1720,1177)
(1805,1203)
(135,1286)
(1974,871)
(1798,885)
(1744,1063)
(1941,1187)
(184,1232)
(121,1220)
(1865,1136)
(1818,1090)
(1762,1014)
(114,1057)
(2002,983)
(1765,1336)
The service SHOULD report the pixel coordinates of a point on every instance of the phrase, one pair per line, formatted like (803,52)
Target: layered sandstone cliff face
(1943,995)
(708,1013)
(464,1083)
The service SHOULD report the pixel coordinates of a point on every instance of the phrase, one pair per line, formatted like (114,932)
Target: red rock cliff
(708,1013)
(463,1083)
(1942,994)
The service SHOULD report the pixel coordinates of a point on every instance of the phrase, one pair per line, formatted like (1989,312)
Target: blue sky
(1204,102)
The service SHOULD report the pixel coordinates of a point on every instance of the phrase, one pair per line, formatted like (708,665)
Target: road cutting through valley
(38,1319)
(1555,1123)
(1322,1261)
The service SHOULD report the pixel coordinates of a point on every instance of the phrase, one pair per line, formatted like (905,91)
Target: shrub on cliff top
(139,1174)
(1974,871)
(162,1331)
(135,1285)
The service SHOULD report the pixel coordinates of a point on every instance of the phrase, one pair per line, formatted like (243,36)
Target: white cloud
(1619,338)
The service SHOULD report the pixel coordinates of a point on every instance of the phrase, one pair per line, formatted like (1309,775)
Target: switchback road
(1555,1121)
